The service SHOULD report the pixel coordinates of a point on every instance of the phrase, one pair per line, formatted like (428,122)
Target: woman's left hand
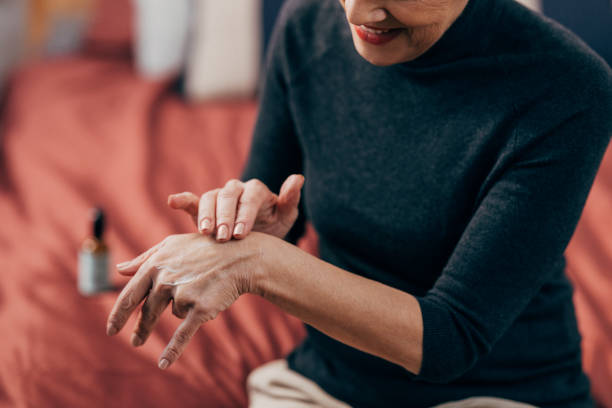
(199,275)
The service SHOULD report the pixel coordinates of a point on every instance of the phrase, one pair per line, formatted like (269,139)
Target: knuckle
(209,194)
(163,289)
(172,353)
(127,301)
(227,194)
(181,338)
(233,184)
(259,190)
(230,190)
(256,183)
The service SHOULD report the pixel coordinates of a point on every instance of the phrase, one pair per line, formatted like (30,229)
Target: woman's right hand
(241,207)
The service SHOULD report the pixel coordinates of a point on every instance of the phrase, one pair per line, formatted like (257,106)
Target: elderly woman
(448,147)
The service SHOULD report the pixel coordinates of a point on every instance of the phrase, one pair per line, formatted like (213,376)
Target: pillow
(225,54)
(161,29)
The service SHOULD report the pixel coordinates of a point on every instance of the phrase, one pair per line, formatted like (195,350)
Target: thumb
(289,196)
(187,202)
(184,201)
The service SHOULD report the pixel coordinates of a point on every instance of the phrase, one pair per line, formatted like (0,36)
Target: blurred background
(198,39)
(118,103)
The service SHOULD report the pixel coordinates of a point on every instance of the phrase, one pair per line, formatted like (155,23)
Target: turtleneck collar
(466,37)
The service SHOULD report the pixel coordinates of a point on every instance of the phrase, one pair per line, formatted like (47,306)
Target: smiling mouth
(374,30)
(376,36)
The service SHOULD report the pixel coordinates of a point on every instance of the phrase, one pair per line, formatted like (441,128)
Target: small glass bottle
(94,259)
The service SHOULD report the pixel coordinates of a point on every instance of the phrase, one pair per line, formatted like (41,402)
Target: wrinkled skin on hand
(200,276)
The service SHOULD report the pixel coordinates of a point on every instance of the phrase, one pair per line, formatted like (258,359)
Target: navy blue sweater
(459,178)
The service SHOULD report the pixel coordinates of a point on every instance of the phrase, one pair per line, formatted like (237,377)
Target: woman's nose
(364,12)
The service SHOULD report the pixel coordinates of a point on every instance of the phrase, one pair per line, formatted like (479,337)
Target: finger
(206,212)
(187,202)
(184,201)
(254,195)
(129,268)
(289,194)
(180,338)
(152,308)
(289,197)
(129,298)
(227,201)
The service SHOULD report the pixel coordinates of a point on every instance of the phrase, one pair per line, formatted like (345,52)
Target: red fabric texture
(82,132)
(79,133)
(589,265)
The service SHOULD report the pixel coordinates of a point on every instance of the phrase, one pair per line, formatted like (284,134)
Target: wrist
(267,247)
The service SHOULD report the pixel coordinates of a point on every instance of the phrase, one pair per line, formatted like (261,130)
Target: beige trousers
(275,385)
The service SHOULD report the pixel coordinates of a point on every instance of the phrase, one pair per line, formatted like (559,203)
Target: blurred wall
(56,26)
(590,19)
(12,27)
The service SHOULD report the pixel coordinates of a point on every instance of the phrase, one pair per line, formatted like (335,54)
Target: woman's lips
(376,36)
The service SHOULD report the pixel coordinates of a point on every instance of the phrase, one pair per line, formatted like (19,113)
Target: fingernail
(163,363)
(123,265)
(205,224)
(239,228)
(110,329)
(136,341)
(223,232)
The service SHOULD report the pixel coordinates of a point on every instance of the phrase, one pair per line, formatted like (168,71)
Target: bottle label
(93,273)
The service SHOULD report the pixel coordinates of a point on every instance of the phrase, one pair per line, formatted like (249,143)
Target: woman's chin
(377,60)
(382,60)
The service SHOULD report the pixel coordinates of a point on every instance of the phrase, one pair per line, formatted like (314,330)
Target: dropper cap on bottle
(98,223)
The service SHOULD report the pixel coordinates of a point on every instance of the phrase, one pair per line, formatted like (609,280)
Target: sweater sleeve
(275,151)
(508,250)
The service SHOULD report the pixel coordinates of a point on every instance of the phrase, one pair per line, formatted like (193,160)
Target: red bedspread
(78,133)
(589,265)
